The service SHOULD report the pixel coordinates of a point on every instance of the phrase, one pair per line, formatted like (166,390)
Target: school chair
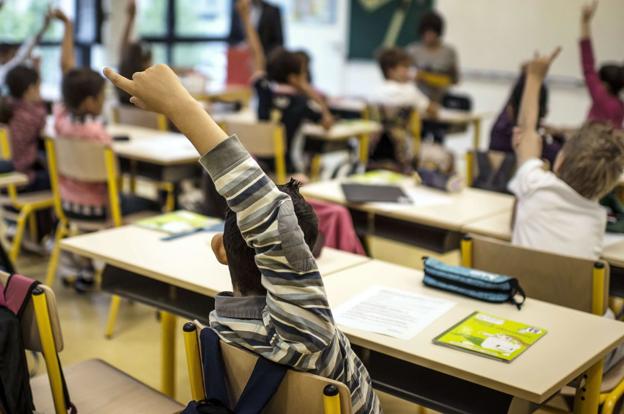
(88,162)
(496,159)
(94,386)
(575,283)
(299,392)
(21,208)
(262,140)
(129,115)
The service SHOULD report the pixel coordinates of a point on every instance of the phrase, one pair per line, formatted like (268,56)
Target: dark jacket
(269,28)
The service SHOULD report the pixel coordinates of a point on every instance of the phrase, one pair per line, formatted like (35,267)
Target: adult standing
(267,19)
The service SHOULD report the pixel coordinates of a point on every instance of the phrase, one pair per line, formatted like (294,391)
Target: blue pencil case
(476,284)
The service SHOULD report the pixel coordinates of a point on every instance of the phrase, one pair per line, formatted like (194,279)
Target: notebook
(368,193)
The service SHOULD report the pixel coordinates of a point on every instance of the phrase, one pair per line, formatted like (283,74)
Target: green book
(378,177)
(177,222)
(491,336)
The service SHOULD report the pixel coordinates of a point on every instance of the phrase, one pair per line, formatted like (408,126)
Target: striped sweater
(293,324)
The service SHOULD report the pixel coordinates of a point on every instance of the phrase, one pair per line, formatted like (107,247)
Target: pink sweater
(605,107)
(75,191)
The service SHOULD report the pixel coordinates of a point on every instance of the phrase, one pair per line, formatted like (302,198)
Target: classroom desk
(179,276)
(461,118)
(449,380)
(497,226)
(434,221)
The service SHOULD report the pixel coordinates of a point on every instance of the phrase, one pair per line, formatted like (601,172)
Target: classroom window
(207,18)
(152,18)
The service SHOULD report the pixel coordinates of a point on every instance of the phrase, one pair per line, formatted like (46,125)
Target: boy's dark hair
(431,21)
(79,84)
(392,57)
(241,258)
(613,76)
(137,58)
(283,63)
(307,60)
(516,99)
(19,79)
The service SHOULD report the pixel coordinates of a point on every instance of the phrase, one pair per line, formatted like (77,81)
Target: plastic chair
(94,385)
(20,207)
(88,162)
(299,392)
(575,283)
(262,139)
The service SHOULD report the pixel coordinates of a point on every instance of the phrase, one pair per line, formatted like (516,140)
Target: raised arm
(68,59)
(243,7)
(528,143)
(127,33)
(27,47)
(296,298)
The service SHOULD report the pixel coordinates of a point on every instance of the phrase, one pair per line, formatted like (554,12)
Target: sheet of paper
(391,312)
(421,198)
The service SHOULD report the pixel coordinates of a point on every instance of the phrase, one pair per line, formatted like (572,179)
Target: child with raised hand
(550,204)
(604,85)
(278,308)
(135,56)
(281,85)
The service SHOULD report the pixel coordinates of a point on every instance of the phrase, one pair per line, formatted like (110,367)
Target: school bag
(476,284)
(264,381)
(15,393)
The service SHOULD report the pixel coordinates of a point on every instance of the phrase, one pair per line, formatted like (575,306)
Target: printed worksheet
(391,312)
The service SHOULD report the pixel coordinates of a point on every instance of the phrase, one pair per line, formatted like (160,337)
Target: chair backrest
(299,392)
(129,115)
(81,160)
(575,283)
(30,330)
(262,139)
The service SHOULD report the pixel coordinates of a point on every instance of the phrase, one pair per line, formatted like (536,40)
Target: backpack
(264,381)
(15,393)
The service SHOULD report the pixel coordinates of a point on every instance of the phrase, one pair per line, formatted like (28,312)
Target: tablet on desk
(369,193)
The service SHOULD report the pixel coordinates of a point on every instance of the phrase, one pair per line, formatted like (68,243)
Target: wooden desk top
(575,340)
(342,130)
(15,178)
(153,146)
(497,226)
(614,254)
(452,116)
(448,211)
(186,262)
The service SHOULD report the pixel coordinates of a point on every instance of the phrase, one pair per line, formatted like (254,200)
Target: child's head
(395,64)
(285,67)
(83,92)
(612,76)
(23,83)
(307,60)
(431,29)
(591,162)
(231,249)
(516,99)
(137,58)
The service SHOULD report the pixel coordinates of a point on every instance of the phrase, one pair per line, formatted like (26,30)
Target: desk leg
(476,140)
(364,149)
(587,397)
(167,373)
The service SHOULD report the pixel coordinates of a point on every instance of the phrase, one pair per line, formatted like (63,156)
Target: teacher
(267,19)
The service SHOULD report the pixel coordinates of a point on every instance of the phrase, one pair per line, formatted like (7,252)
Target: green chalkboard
(377,23)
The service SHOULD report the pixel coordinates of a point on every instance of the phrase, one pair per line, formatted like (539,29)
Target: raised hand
(588,11)
(540,64)
(131,8)
(156,89)
(243,7)
(58,14)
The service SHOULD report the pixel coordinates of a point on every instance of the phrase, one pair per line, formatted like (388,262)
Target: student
(554,208)
(432,56)
(12,56)
(397,97)
(284,88)
(501,135)
(79,117)
(26,122)
(135,56)
(267,21)
(278,309)
(605,85)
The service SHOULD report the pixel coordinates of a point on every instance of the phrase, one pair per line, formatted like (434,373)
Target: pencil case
(475,284)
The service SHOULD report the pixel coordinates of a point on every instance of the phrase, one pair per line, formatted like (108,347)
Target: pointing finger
(120,81)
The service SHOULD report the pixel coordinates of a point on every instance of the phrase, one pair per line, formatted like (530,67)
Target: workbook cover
(491,336)
(176,222)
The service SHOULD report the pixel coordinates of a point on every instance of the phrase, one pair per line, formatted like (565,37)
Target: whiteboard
(497,35)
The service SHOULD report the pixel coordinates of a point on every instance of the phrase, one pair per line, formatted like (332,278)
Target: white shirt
(393,93)
(552,217)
